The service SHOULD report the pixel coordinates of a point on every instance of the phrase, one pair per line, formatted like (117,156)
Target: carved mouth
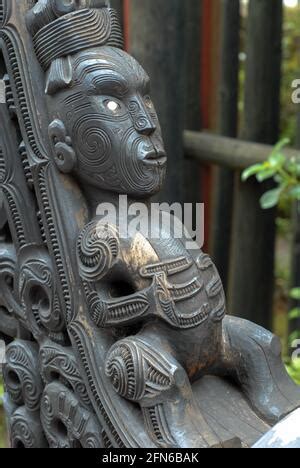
(155,158)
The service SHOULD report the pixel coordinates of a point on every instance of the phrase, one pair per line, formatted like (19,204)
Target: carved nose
(144,125)
(142,120)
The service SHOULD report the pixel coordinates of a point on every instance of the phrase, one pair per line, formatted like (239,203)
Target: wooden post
(232,153)
(192,173)
(252,265)
(157,40)
(228,119)
(210,70)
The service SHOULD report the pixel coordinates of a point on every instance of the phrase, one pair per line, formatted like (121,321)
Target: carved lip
(155,158)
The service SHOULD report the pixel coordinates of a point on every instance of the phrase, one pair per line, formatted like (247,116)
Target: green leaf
(251,171)
(277,160)
(295,192)
(265,175)
(296,364)
(292,166)
(271,198)
(280,145)
(294,314)
(295,375)
(1,392)
(293,337)
(295,294)
(278,178)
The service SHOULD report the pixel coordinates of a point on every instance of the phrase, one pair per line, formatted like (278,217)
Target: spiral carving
(23,382)
(124,367)
(65,422)
(137,372)
(94,148)
(133,107)
(26,430)
(97,251)
(138,116)
(8,308)
(137,176)
(59,363)
(38,295)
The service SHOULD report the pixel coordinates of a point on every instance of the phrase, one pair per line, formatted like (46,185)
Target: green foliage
(295,294)
(286,175)
(1,391)
(293,368)
(285,172)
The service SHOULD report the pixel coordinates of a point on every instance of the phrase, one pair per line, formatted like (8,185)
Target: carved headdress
(60,28)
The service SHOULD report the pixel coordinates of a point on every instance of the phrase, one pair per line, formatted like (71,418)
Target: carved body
(102,321)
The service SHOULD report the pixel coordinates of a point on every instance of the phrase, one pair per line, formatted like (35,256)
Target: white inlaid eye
(112,106)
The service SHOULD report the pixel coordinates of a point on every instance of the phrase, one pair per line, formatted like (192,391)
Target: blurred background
(222,73)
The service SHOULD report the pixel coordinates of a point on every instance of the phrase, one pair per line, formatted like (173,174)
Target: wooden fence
(190,48)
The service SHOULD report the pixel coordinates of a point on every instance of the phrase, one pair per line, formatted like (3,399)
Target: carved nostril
(148,130)
(144,126)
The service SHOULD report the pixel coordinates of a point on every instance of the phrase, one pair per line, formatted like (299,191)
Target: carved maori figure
(112,341)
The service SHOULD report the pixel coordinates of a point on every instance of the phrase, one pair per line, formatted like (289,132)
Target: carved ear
(65,157)
(59,76)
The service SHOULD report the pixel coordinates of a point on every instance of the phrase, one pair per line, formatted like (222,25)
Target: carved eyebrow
(111,84)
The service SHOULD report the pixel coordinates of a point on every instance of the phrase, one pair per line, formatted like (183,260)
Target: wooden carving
(111,341)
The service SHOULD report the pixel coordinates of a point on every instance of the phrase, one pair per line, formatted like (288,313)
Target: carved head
(104,126)
(106,115)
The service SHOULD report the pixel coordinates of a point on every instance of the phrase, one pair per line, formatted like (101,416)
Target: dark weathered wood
(253,242)
(228,119)
(231,153)
(192,171)
(157,40)
(221,400)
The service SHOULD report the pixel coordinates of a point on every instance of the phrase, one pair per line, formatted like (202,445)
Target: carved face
(109,116)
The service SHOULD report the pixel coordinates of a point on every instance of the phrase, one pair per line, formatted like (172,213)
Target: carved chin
(147,184)
(153,182)
(141,179)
